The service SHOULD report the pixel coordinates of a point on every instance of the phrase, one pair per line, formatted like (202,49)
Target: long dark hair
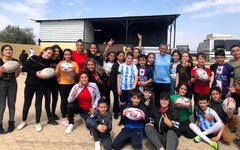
(60,56)
(4,46)
(109,53)
(67,50)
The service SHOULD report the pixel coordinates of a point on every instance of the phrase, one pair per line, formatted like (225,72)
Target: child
(148,98)
(228,119)
(163,129)
(100,125)
(184,72)
(184,113)
(203,127)
(150,60)
(66,81)
(133,129)
(113,81)
(136,54)
(223,74)
(144,73)
(127,79)
(95,53)
(176,57)
(200,87)
(8,88)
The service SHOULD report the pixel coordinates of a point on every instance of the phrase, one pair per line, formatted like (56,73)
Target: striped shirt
(127,73)
(204,123)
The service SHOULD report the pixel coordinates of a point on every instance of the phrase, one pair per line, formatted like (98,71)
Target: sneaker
(115,116)
(214,145)
(55,117)
(21,125)
(65,121)
(69,129)
(11,126)
(97,145)
(2,131)
(197,139)
(237,142)
(38,127)
(52,122)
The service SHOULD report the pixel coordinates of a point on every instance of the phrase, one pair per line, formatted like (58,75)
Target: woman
(96,74)
(66,81)
(163,132)
(82,99)
(8,88)
(57,57)
(79,56)
(35,84)
(161,73)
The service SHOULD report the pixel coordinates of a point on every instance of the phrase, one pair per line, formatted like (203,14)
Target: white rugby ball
(201,74)
(229,105)
(47,73)
(108,69)
(182,102)
(134,113)
(66,67)
(11,66)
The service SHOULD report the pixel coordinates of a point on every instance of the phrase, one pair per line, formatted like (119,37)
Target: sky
(198,17)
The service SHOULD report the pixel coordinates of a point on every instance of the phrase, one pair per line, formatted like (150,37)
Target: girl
(8,88)
(176,57)
(113,81)
(79,56)
(57,57)
(184,72)
(184,113)
(95,53)
(151,60)
(96,74)
(35,84)
(136,54)
(107,65)
(82,99)
(164,131)
(66,81)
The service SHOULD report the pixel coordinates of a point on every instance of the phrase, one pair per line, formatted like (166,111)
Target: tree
(15,34)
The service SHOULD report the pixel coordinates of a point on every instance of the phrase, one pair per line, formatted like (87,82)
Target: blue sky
(198,17)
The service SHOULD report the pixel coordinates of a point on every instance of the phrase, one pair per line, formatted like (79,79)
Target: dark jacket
(159,124)
(98,58)
(97,119)
(113,75)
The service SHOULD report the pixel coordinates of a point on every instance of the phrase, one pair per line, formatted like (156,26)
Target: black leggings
(47,96)
(64,93)
(74,108)
(116,108)
(54,92)
(28,95)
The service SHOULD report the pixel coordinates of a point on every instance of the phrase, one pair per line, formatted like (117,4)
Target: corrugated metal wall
(62,30)
(88,32)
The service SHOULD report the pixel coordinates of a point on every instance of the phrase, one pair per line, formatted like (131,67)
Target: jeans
(173,85)
(8,92)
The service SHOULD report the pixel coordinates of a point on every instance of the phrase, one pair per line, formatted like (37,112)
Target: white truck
(217,41)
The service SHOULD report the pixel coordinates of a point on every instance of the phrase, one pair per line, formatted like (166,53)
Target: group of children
(129,75)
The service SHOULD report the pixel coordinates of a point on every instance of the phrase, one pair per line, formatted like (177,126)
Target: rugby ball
(11,66)
(229,105)
(201,74)
(107,69)
(47,73)
(182,102)
(66,67)
(134,113)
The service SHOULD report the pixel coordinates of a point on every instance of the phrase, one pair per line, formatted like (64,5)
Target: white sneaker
(21,125)
(69,129)
(97,145)
(38,127)
(65,121)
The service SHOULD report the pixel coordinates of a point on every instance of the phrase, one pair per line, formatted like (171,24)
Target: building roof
(153,19)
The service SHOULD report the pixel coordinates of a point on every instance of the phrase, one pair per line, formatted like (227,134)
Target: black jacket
(158,121)
(113,75)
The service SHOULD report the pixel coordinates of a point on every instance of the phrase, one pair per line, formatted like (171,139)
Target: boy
(133,129)
(144,73)
(148,98)
(223,74)
(203,127)
(127,79)
(200,87)
(228,119)
(100,125)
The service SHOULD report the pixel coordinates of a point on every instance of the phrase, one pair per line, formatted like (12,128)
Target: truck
(218,41)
